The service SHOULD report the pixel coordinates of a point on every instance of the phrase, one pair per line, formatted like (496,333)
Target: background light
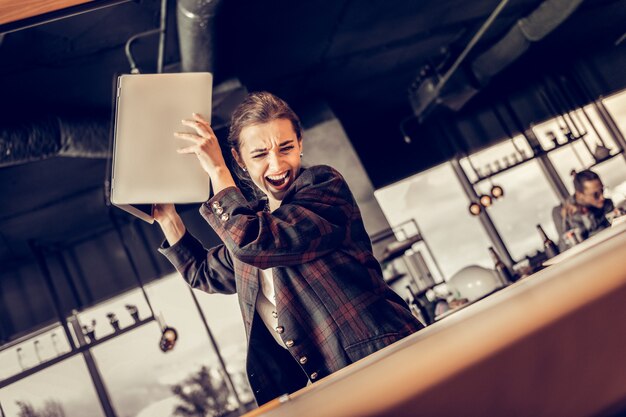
(485,200)
(475,209)
(497,191)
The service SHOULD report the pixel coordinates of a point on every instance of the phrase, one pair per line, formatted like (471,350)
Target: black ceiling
(358,56)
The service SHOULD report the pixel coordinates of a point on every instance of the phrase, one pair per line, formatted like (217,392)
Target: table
(553,344)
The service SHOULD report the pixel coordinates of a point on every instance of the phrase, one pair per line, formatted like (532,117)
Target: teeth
(278,177)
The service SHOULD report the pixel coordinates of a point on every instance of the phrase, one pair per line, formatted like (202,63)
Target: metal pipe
(54,296)
(603,112)
(220,359)
(129,256)
(567,109)
(80,275)
(543,96)
(69,279)
(129,42)
(146,246)
(508,132)
(548,169)
(574,103)
(483,216)
(92,367)
(561,108)
(608,120)
(443,80)
(195,22)
(163,33)
(471,194)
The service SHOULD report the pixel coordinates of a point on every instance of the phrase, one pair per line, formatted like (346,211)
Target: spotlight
(485,200)
(133,311)
(169,335)
(115,323)
(90,331)
(497,191)
(475,209)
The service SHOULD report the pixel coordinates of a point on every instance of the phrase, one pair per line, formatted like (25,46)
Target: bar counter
(552,344)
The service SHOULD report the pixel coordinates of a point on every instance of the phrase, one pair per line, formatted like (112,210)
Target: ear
(237,158)
(301,145)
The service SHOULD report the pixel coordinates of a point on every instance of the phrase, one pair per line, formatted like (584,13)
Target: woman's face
(271,154)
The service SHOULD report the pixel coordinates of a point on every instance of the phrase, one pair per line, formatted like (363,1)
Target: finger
(192,137)
(199,127)
(201,119)
(204,123)
(189,149)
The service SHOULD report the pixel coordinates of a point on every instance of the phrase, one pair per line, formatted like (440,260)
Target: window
(528,200)
(435,199)
(142,380)
(62,390)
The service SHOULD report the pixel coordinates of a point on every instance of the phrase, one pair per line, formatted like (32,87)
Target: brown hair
(258,108)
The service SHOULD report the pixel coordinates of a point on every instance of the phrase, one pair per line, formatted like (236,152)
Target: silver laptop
(146,168)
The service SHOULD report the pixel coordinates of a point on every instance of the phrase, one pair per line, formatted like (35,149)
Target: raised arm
(209,270)
(312,221)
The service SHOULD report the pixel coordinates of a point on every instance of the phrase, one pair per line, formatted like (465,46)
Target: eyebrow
(288,141)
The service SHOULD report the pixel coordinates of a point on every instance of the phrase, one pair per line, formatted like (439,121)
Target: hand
(205,145)
(570,209)
(207,149)
(164,213)
(170,222)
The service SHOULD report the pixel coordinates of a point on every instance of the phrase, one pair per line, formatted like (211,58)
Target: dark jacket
(589,220)
(331,299)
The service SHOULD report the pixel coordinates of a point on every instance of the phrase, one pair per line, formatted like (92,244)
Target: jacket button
(303,360)
(219,210)
(280,329)
(289,343)
(216,205)
(224,217)
(314,376)
(274,314)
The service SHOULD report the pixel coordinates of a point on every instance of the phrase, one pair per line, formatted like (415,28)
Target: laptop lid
(146,168)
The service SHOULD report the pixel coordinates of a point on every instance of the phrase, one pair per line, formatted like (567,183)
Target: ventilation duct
(54,136)
(465,83)
(533,28)
(89,138)
(196,34)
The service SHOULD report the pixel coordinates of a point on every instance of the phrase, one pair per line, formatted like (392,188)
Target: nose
(274,161)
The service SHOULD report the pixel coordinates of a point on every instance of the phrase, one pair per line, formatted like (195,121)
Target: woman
(310,291)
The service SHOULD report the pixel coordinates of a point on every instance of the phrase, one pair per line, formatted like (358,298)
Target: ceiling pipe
(530,29)
(455,88)
(89,137)
(196,34)
(54,136)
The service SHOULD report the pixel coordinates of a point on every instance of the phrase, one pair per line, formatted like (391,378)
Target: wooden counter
(553,344)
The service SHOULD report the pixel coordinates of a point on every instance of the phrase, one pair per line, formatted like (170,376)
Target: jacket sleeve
(311,222)
(209,270)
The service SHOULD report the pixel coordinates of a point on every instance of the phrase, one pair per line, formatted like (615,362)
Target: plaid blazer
(333,306)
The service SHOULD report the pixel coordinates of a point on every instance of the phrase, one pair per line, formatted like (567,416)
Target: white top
(266,304)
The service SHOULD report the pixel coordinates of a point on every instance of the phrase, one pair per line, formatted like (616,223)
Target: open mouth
(278,180)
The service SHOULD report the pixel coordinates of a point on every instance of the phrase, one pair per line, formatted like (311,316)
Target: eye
(259,155)
(286,148)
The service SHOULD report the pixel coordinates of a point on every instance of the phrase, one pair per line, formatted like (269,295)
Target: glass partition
(436,200)
(62,390)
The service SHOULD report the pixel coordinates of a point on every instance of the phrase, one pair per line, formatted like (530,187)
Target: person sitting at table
(585,210)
